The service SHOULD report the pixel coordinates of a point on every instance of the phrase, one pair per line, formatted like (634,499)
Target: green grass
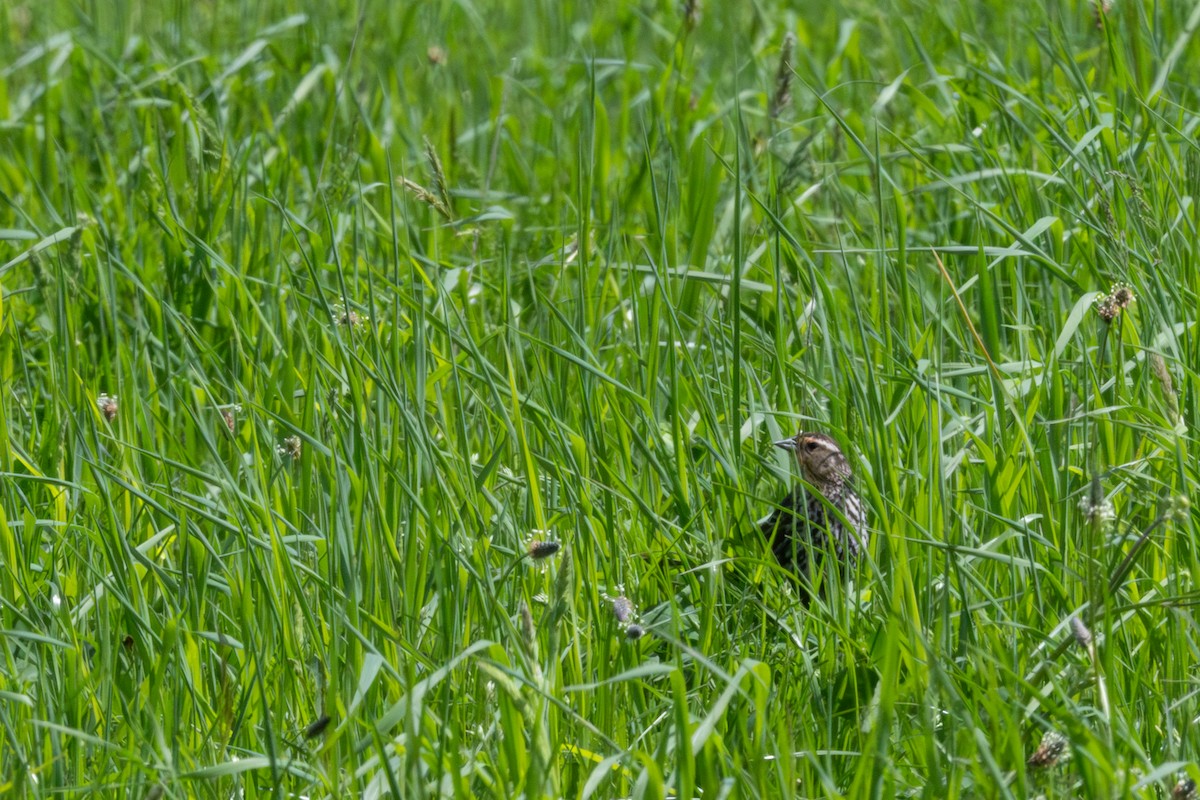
(566,278)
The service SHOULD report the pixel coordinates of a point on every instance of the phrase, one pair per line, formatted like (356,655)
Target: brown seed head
(540,549)
(291,447)
(1049,750)
(229,415)
(317,727)
(108,406)
(783,77)
(1121,295)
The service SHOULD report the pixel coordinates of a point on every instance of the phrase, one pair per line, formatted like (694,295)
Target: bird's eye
(810,446)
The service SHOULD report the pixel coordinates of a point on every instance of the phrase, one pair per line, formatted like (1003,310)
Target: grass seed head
(1181,506)
(291,447)
(229,415)
(528,632)
(1162,375)
(691,14)
(427,197)
(562,583)
(634,632)
(108,406)
(439,174)
(1121,295)
(1096,511)
(1049,751)
(1110,222)
(783,77)
(1158,368)
(541,549)
(623,609)
(348,318)
(317,727)
(1119,298)
(1082,635)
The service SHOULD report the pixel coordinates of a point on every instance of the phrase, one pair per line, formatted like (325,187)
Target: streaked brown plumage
(804,528)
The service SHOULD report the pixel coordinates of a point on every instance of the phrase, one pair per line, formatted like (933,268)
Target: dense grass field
(320,321)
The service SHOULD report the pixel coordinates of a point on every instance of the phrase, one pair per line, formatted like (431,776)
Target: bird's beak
(786,444)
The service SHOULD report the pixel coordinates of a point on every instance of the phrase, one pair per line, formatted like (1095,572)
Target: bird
(811,521)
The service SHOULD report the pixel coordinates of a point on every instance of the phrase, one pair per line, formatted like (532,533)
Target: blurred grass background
(315,316)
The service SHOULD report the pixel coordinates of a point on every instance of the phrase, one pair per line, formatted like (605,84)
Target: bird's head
(821,461)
